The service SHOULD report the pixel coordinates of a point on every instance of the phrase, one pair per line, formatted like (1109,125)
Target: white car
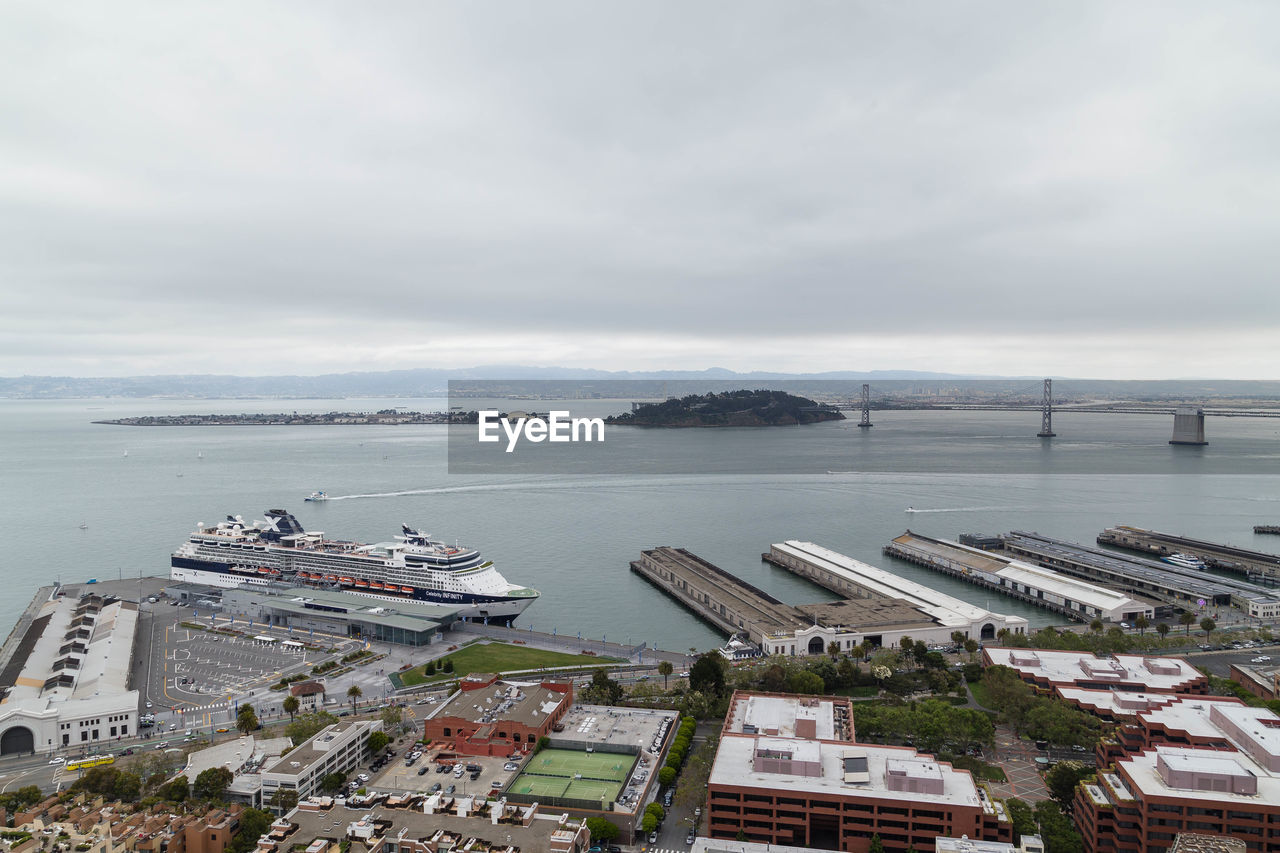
(57,759)
(148,704)
(1262,659)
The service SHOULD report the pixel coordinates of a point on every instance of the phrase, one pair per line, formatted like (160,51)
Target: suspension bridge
(1188,420)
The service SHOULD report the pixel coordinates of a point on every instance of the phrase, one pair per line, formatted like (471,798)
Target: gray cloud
(965,186)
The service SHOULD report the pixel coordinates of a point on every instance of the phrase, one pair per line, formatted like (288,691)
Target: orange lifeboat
(375,584)
(345,581)
(407,589)
(362,584)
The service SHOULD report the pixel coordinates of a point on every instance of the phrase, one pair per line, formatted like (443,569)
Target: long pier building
(879,612)
(1043,587)
(1163,581)
(1224,557)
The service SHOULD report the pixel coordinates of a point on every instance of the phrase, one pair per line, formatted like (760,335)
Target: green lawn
(497,657)
(981,695)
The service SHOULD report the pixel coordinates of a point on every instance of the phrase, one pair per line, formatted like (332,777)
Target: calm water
(572,537)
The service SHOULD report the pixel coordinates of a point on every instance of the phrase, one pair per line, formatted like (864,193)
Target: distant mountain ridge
(514,379)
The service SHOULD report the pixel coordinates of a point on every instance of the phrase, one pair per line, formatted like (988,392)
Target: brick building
(788,771)
(1050,670)
(488,716)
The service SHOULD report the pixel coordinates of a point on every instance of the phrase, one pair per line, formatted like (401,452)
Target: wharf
(20,641)
(1226,558)
(1163,581)
(1267,528)
(727,602)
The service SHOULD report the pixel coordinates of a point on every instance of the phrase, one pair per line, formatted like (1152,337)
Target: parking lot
(397,776)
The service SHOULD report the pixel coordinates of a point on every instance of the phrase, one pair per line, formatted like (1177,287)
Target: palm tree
(1002,635)
(664,669)
(1142,624)
(290,706)
(1162,629)
(1207,625)
(833,649)
(353,693)
(1188,619)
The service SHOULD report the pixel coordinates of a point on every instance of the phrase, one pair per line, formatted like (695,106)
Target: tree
(666,776)
(877,846)
(1022,816)
(176,791)
(253,824)
(958,638)
(1162,629)
(1002,635)
(284,799)
(603,690)
(391,718)
(447,666)
(111,782)
(332,782)
(602,829)
(664,669)
(804,681)
(656,810)
(971,646)
(833,649)
(1207,625)
(1062,779)
(648,823)
(290,706)
(28,795)
(212,783)
(430,668)
(378,741)
(707,674)
(307,725)
(354,693)
(1142,623)
(1056,829)
(246,719)
(1096,625)
(1187,619)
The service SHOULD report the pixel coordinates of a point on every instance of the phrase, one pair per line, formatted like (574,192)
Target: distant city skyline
(984,188)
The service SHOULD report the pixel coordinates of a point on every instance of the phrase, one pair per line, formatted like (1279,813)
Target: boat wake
(964,509)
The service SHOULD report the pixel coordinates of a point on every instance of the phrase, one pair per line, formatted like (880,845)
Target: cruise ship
(413,568)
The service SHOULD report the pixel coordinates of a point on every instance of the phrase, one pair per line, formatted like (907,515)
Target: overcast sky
(1004,188)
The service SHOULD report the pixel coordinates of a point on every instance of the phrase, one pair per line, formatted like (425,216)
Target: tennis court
(574,774)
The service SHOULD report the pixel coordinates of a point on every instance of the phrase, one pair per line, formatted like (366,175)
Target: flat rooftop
(1065,668)
(777,715)
(511,701)
(618,726)
(868,614)
(944,609)
(735,762)
(308,752)
(307,601)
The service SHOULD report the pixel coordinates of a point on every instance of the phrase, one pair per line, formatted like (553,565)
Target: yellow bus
(95,761)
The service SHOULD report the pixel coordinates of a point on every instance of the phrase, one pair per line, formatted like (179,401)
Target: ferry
(412,569)
(316,497)
(1185,561)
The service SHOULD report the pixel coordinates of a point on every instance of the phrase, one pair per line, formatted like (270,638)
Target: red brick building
(788,771)
(488,716)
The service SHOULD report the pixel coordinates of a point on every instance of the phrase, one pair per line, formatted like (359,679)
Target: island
(729,409)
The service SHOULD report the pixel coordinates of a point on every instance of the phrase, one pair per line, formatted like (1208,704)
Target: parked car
(451,789)
(422,771)
(653,838)
(691,837)
(510,766)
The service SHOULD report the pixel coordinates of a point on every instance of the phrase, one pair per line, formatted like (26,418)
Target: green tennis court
(556,772)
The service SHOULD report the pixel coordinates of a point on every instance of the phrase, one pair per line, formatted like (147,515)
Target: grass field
(496,657)
(551,772)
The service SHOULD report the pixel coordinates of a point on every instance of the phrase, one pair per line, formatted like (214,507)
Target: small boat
(362,584)
(375,584)
(199,454)
(345,581)
(1185,561)
(84,525)
(912,509)
(407,589)
(331,578)
(316,497)
(126,453)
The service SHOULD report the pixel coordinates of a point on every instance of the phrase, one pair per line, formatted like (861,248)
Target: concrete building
(1052,669)
(856,579)
(335,612)
(1192,764)
(66,682)
(487,716)
(788,771)
(334,749)
(244,757)
(310,695)
(1044,587)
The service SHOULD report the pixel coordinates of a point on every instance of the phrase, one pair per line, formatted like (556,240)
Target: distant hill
(729,409)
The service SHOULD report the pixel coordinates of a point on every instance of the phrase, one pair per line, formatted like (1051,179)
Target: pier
(1267,528)
(1161,581)
(1224,557)
(1045,588)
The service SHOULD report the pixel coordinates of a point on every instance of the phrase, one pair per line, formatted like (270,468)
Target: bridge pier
(866,407)
(1046,412)
(1188,426)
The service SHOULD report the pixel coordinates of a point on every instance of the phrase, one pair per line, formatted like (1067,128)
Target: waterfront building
(789,771)
(334,749)
(1052,669)
(487,716)
(66,675)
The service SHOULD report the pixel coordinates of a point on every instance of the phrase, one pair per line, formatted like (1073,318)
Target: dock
(727,602)
(1185,588)
(1045,588)
(1227,558)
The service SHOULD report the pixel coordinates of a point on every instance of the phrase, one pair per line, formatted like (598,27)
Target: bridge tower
(1046,412)
(866,407)
(1188,426)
